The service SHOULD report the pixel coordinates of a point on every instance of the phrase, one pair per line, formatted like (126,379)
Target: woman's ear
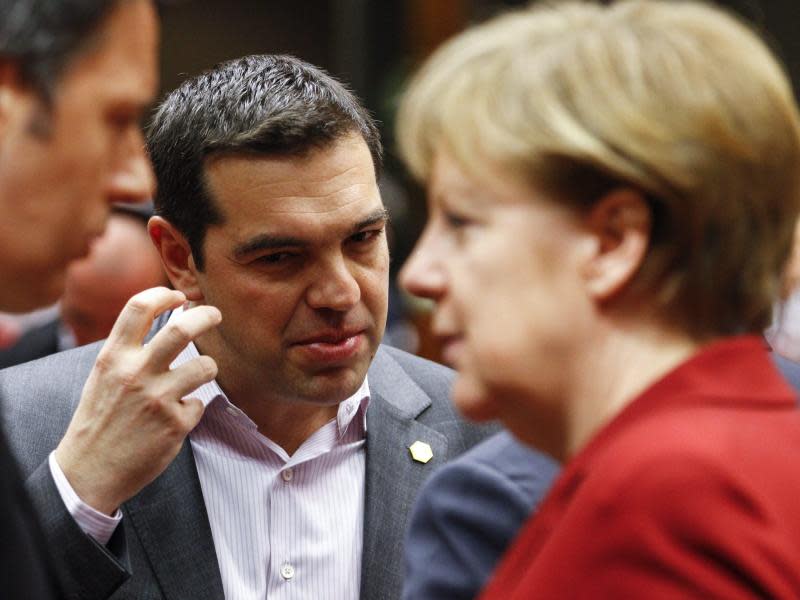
(176,256)
(620,223)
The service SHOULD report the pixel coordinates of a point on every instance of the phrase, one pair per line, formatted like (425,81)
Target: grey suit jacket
(164,549)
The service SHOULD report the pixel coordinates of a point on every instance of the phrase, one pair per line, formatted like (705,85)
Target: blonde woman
(612,196)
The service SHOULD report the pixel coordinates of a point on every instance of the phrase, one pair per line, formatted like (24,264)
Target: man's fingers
(174,337)
(137,316)
(189,376)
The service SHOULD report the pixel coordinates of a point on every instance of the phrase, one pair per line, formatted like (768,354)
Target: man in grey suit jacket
(271,225)
(164,547)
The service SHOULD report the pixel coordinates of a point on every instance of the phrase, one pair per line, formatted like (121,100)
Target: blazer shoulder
(35,343)
(505,462)
(392,369)
(38,398)
(449,531)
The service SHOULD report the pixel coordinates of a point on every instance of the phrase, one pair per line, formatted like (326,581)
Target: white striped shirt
(283,527)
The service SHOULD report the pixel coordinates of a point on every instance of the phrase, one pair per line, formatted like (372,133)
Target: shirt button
(287,571)
(287,475)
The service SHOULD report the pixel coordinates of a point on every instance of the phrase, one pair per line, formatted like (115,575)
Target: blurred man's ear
(620,222)
(176,256)
(10,88)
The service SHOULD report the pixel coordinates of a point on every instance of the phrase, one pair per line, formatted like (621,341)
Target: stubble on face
(299,270)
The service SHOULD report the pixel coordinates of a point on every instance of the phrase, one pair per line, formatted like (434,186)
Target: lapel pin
(421,452)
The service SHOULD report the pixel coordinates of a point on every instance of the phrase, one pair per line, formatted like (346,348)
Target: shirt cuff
(94,523)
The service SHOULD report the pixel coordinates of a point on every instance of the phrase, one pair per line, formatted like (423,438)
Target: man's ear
(11,90)
(620,223)
(176,256)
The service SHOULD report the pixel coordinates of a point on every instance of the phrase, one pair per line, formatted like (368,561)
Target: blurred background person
(75,77)
(121,263)
(612,199)
(15,325)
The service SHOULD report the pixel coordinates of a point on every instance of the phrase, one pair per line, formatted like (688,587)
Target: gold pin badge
(421,452)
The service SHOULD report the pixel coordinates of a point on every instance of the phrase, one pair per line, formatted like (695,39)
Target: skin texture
(56,186)
(299,269)
(122,262)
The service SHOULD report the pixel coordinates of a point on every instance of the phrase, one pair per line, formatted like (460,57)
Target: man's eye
(276,258)
(366,236)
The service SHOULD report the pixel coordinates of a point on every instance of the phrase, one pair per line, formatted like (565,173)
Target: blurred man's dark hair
(43,36)
(263,105)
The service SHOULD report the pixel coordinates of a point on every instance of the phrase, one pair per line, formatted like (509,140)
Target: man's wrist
(93,522)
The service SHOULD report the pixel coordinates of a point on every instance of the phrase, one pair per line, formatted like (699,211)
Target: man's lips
(333,336)
(331,346)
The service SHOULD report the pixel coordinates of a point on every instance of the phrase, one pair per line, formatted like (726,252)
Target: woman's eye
(455,221)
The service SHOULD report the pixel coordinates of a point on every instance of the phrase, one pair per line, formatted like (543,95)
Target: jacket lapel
(170,519)
(393,477)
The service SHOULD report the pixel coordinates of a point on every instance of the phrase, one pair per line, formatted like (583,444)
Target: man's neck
(288,424)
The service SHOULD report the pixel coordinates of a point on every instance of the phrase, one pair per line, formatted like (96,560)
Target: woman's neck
(622,362)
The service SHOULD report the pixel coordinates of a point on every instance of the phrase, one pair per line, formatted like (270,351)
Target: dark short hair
(270,105)
(43,36)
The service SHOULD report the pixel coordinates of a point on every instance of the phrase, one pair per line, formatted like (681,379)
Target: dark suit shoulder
(789,369)
(502,457)
(468,512)
(37,342)
(39,398)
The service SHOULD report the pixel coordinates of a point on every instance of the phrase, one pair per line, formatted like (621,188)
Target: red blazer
(692,491)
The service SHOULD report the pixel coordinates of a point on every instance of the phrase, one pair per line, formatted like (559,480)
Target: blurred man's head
(122,262)
(75,78)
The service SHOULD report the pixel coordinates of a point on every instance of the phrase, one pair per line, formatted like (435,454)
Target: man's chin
(334,385)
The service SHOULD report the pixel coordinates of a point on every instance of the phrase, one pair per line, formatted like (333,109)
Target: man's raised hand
(132,417)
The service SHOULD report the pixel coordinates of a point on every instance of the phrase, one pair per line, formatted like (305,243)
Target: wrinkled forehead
(332,187)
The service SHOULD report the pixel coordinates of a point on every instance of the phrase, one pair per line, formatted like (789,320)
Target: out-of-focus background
(373,45)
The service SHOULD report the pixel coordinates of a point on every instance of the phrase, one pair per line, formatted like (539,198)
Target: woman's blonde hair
(679,100)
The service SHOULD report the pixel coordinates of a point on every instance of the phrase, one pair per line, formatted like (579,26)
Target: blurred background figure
(612,198)
(75,79)
(121,263)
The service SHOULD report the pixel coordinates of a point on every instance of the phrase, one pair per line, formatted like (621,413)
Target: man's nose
(132,178)
(335,286)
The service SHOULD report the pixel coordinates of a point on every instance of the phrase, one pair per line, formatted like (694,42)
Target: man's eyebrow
(266,241)
(379,215)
